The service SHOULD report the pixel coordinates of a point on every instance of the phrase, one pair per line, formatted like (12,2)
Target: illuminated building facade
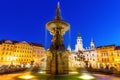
(108,56)
(7,52)
(23,53)
(89,54)
(117,57)
(17,53)
(90,58)
(38,54)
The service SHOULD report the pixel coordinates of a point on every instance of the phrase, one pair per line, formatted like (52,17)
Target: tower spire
(79,34)
(92,44)
(58,17)
(92,40)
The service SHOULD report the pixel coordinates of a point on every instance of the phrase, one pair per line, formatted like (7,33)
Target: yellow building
(18,53)
(38,54)
(6,52)
(106,56)
(23,53)
(117,58)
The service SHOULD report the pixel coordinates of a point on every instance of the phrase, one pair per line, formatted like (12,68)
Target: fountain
(57,64)
(57,55)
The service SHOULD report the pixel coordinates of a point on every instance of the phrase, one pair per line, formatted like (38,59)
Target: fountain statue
(57,55)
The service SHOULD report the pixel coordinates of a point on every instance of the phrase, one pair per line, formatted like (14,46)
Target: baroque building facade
(84,56)
(39,55)
(20,53)
(101,57)
(108,56)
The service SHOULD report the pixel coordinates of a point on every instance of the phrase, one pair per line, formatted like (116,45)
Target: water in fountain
(45,38)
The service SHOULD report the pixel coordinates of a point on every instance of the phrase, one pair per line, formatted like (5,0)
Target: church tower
(92,44)
(79,45)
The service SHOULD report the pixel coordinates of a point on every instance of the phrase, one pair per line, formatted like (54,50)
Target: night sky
(24,20)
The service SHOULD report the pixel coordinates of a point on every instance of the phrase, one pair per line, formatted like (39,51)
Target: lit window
(2,52)
(1,58)
(118,54)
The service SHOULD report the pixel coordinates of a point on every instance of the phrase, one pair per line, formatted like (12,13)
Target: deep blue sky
(25,20)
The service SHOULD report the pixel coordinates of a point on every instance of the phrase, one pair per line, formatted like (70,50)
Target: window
(108,59)
(102,59)
(2,52)
(1,58)
(106,54)
(3,48)
(118,54)
(111,54)
(113,59)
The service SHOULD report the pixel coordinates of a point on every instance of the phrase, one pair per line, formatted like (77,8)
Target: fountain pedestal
(57,55)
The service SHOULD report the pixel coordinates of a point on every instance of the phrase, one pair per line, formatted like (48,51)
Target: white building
(90,55)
